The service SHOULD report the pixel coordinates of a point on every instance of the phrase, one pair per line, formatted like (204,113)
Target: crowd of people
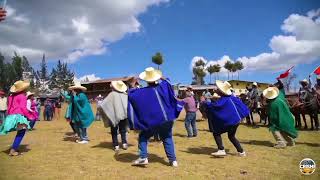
(152,111)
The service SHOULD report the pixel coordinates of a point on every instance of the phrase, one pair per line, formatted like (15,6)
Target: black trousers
(72,126)
(122,128)
(231,135)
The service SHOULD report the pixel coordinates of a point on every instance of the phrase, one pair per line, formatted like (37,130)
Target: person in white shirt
(3,106)
(99,100)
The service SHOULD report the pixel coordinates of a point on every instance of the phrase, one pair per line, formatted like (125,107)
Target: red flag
(317,71)
(285,74)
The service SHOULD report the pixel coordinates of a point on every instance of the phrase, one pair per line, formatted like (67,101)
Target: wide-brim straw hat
(19,86)
(255,84)
(224,87)
(271,92)
(150,75)
(77,86)
(119,86)
(216,96)
(304,81)
(29,93)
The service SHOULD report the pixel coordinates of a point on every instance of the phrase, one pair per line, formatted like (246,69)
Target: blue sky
(183,29)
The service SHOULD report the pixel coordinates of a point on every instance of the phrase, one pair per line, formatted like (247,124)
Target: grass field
(50,154)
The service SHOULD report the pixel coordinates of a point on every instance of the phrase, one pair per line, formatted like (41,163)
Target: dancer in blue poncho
(226,114)
(81,113)
(152,110)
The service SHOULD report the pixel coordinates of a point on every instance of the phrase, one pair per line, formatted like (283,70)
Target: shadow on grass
(180,135)
(309,144)
(252,126)
(205,130)
(69,133)
(22,149)
(202,150)
(258,143)
(69,138)
(130,157)
(106,145)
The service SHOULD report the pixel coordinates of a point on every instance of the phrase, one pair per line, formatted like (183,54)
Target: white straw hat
(224,87)
(215,95)
(29,93)
(304,81)
(77,86)
(19,86)
(271,92)
(150,75)
(255,84)
(119,86)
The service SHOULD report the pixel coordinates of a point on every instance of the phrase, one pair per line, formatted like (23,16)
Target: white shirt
(3,104)
(29,102)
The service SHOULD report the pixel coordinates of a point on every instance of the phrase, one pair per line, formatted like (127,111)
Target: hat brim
(215,96)
(31,94)
(220,86)
(156,77)
(24,86)
(117,88)
(77,87)
(275,93)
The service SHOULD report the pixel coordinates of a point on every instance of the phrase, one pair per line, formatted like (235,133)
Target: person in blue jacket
(153,110)
(81,112)
(226,114)
(68,97)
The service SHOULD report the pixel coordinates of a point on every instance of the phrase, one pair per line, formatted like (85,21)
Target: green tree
(217,69)
(211,70)
(61,76)
(234,69)
(157,59)
(17,65)
(43,73)
(199,72)
(2,72)
(26,65)
(239,66)
(228,66)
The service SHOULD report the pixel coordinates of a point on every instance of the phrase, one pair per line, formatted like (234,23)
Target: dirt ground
(49,153)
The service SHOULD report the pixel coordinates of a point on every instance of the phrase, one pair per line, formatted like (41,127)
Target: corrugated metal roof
(108,80)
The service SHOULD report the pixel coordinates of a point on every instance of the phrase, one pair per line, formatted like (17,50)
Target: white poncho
(114,107)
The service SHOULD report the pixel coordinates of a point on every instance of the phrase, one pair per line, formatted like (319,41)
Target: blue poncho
(227,111)
(151,106)
(81,111)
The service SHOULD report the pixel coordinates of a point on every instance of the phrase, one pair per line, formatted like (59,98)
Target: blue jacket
(225,112)
(151,106)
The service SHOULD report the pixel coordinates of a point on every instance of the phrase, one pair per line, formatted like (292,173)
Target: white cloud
(299,45)
(69,29)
